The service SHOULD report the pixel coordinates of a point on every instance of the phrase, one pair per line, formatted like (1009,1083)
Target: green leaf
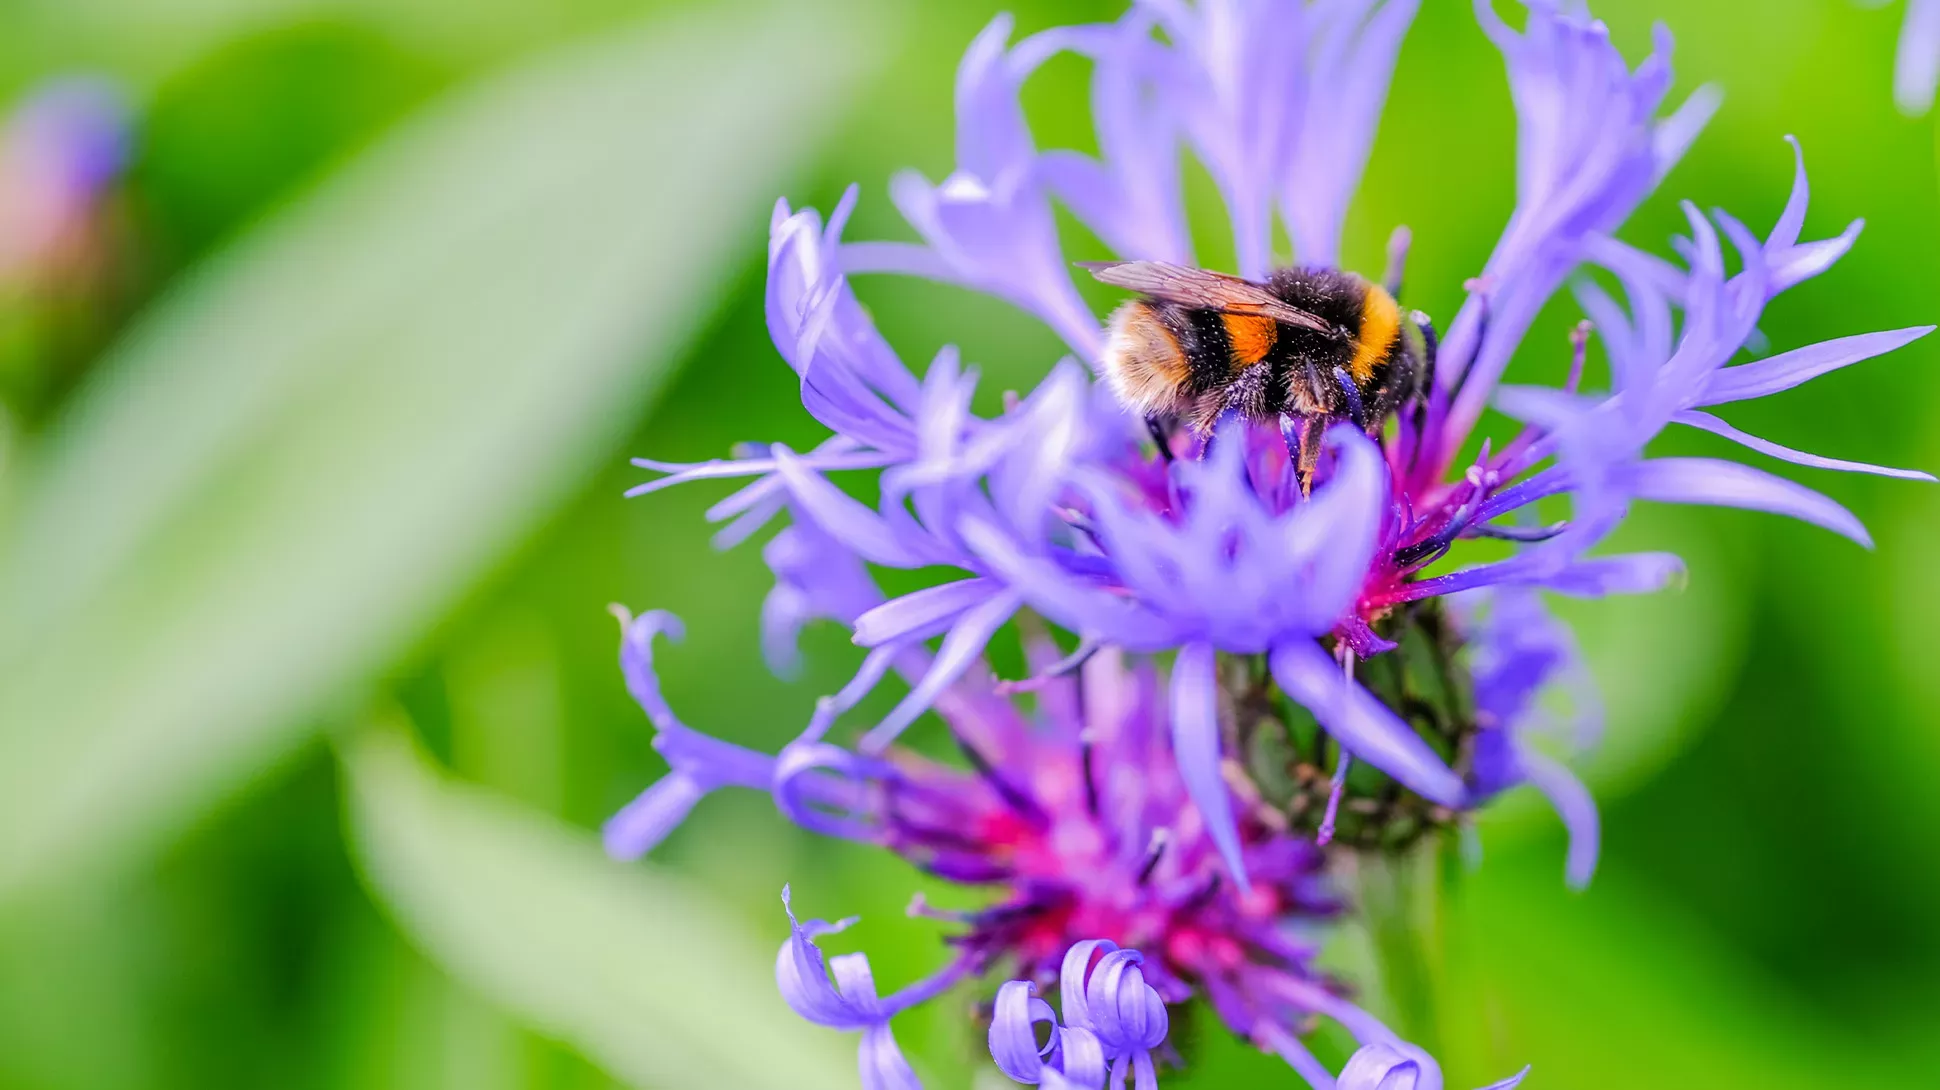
(300,460)
(645,976)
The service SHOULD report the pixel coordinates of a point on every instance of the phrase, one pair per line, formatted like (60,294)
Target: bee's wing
(1204,290)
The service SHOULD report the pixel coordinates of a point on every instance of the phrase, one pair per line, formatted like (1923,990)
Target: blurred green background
(310,512)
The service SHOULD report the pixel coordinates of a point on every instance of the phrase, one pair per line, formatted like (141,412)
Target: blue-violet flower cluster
(1112,802)
(61,149)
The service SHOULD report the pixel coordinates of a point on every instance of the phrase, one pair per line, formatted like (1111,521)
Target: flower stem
(1398,899)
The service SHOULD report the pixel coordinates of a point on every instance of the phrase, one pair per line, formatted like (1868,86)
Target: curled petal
(700,763)
(1381,1066)
(1081,1057)
(636,661)
(803,977)
(1125,1011)
(1073,975)
(825,789)
(1013,1031)
(881,1062)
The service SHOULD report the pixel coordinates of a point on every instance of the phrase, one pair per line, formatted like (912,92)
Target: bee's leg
(1355,409)
(1303,437)
(1398,244)
(1161,437)
(1290,433)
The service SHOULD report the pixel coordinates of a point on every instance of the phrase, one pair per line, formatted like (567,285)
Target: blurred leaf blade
(1618,987)
(632,967)
(299,460)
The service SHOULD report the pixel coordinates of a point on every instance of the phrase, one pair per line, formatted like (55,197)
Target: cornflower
(1161,779)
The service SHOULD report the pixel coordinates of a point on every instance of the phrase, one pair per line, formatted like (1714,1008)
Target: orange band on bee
(1252,338)
(1380,325)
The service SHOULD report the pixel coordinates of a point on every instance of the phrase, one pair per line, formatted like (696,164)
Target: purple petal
(843,518)
(1801,263)
(642,824)
(1361,724)
(1131,195)
(803,977)
(1380,1067)
(1340,526)
(1014,1020)
(1297,1056)
(1627,573)
(1789,369)
(1058,595)
(1589,149)
(1916,68)
(1509,1083)
(1797,457)
(815,577)
(1352,66)
(1073,973)
(1196,745)
(897,258)
(820,787)
(1575,806)
(1081,1057)
(1791,222)
(922,614)
(881,1062)
(636,661)
(961,649)
(1125,1011)
(1676,133)
(1728,484)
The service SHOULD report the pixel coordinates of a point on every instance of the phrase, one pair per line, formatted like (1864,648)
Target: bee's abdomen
(1147,357)
(1208,348)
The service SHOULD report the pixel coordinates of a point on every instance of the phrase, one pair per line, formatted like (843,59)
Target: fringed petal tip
(639,631)
(1511,1082)
(802,975)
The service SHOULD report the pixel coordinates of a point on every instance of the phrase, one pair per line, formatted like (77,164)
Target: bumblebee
(1308,346)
